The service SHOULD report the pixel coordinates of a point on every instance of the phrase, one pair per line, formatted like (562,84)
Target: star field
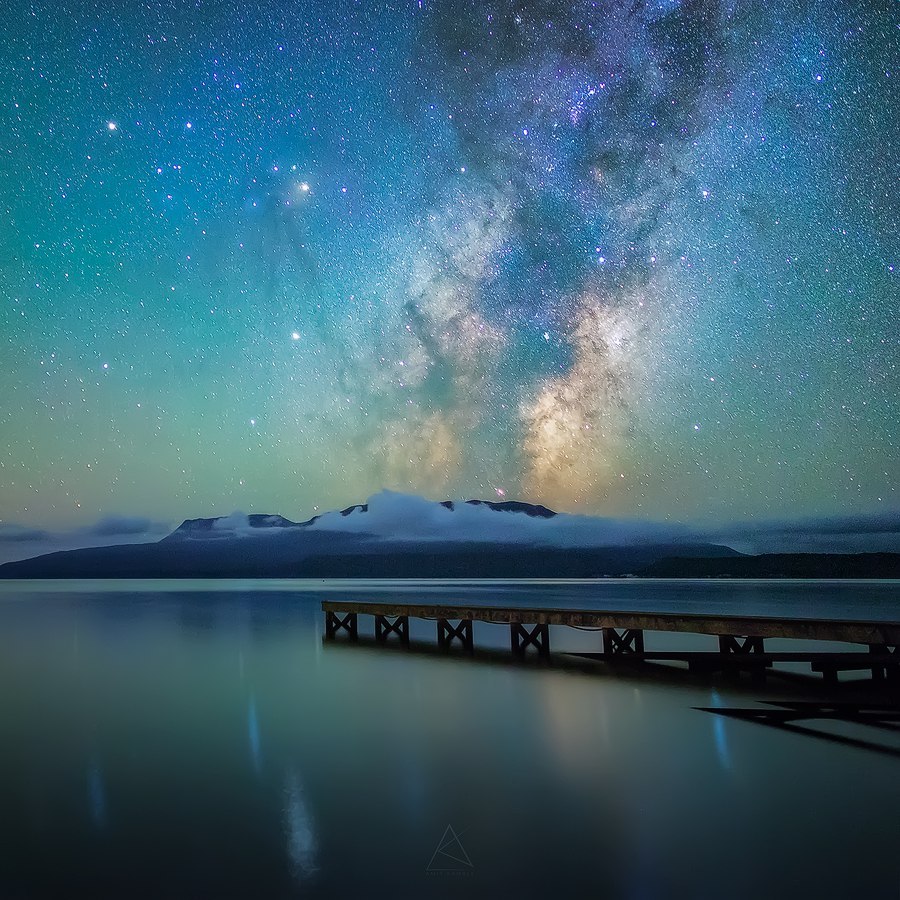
(622,258)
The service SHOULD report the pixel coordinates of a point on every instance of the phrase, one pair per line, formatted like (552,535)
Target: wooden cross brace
(384,627)
(521,637)
(733,643)
(620,641)
(446,633)
(334,623)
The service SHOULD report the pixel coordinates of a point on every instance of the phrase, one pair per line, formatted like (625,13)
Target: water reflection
(145,755)
(96,791)
(299,831)
(253,735)
(722,752)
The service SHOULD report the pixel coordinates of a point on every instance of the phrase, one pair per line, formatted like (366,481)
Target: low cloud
(16,534)
(111,526)
(25,542)
(872,533)
(410,519)
(401,517)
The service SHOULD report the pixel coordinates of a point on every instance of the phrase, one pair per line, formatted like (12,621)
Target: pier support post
(889,669)
(738,651)
(334,623)
(521,637)
(384,627)
(623,642)
(446,633)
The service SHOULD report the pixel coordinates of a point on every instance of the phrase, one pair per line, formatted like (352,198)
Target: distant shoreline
(198,560)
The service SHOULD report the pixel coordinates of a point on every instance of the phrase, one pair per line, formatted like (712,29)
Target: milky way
(634,258)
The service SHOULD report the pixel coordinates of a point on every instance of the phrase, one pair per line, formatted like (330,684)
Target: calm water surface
(196,739)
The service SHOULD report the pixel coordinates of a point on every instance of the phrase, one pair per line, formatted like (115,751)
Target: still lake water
(197,739)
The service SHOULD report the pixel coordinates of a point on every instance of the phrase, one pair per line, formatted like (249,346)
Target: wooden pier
(741,639)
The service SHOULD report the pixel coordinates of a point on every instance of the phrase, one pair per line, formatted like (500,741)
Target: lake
(198,739)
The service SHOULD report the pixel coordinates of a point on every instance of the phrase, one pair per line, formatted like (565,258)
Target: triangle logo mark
(450,855)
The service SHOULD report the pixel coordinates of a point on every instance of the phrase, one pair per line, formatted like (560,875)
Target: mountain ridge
(402,536)
(391,536)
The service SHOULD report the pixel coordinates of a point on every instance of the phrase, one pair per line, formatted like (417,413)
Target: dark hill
(289,553)
(780,565)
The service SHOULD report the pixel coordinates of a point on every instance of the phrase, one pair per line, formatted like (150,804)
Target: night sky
(630,258)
